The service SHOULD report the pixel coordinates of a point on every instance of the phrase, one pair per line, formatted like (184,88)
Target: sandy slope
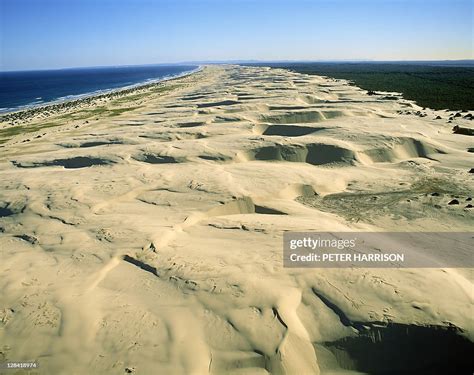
(150,241)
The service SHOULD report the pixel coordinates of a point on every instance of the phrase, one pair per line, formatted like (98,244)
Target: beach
(142,231)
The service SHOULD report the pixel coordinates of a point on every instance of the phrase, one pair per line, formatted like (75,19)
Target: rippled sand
(148,239)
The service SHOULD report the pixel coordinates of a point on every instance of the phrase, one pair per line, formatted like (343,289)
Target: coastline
(26,112)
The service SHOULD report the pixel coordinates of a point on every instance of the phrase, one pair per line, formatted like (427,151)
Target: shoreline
(28,112)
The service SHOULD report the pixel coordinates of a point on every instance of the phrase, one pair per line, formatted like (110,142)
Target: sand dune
(147,237)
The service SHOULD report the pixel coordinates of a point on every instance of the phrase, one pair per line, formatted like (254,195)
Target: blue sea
(21,89)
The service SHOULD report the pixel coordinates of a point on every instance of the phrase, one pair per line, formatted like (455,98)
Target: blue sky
(40,34)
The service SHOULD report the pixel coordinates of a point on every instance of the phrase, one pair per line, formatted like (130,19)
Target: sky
(50,34)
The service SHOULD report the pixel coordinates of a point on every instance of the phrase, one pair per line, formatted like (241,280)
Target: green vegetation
(106,112)
(111,109)
(118,111)
(7,133)
(432,86)
(141,95)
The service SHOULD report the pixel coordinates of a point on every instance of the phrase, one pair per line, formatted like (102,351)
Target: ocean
(29,88)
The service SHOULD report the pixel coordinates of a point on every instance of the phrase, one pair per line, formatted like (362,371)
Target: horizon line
(243,61)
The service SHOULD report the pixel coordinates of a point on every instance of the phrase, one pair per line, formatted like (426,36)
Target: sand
(144,234)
